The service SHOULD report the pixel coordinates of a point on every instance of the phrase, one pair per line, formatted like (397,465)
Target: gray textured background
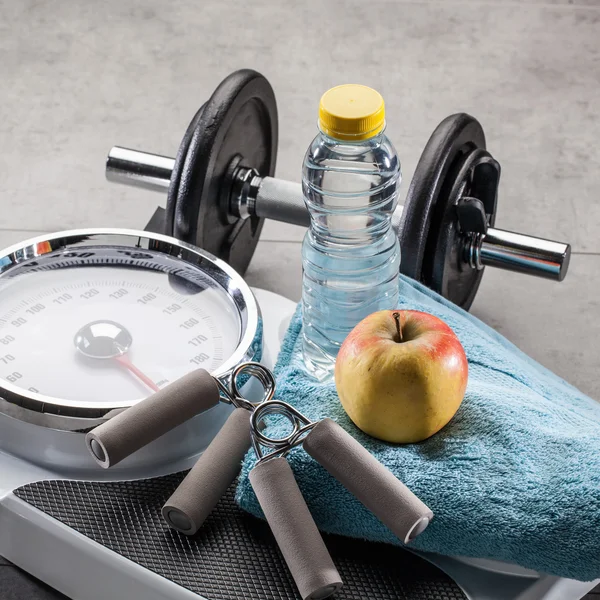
(78,77)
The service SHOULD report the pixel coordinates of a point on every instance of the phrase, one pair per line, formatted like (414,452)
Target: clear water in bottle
(350,254)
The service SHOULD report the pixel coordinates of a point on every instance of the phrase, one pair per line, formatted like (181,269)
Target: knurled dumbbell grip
(370,481)
(281,200)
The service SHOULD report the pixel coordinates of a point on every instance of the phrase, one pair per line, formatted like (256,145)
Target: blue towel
(515,476)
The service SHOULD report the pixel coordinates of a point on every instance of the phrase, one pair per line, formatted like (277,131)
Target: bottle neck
(368,142)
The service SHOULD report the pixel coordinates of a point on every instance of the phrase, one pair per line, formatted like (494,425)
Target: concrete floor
(78,77)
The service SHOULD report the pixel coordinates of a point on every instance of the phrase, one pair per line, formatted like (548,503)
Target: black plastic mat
(234,556)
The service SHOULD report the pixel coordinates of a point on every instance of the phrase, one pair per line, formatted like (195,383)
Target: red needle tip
(124,360)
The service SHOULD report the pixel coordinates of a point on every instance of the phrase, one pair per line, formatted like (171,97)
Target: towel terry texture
(514,476)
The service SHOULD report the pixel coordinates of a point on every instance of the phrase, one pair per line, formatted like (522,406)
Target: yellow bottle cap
(351,112)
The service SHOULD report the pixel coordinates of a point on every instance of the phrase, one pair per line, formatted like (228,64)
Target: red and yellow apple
(401,375)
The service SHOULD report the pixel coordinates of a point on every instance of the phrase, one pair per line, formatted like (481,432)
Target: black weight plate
(175,180)
(452,140)
(238,122)
(477,174)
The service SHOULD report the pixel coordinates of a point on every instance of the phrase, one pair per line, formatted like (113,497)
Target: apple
(401,375)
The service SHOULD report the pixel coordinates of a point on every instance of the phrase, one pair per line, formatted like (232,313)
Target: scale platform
(94,534)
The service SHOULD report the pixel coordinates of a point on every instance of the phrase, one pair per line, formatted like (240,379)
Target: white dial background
(173,333)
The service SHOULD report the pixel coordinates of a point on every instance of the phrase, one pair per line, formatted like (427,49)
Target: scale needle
(124,360)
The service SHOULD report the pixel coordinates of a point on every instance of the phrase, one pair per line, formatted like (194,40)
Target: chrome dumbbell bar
(271,198)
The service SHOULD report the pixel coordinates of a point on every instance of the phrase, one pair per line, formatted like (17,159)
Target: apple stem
(398,317)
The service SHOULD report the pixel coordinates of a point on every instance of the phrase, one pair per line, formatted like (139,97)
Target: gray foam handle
(147,420)
(294,529)
(365,477)
(197,495)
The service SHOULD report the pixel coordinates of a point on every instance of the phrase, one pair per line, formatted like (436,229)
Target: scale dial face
(103,325)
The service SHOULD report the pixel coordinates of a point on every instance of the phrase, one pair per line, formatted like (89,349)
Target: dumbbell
(220,188)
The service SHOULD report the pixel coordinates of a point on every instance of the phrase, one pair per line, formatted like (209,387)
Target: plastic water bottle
(350,254)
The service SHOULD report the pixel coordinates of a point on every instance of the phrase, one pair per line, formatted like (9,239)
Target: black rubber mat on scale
(234,556)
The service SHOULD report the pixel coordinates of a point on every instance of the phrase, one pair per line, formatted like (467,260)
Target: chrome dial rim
(75,415)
